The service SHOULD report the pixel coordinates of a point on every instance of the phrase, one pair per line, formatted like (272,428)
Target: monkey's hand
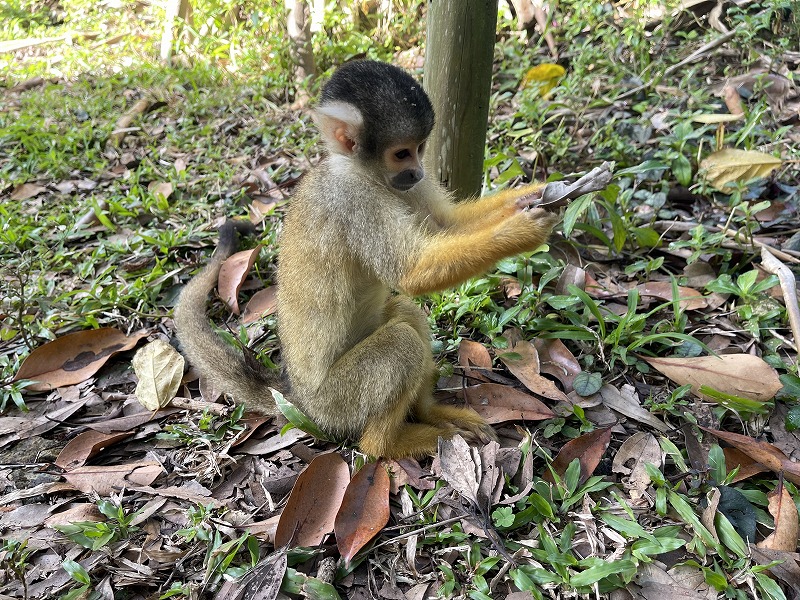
(530,199)
(528,229)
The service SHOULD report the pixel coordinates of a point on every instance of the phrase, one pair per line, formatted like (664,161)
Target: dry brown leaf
(638,450)
(130,422)
(26,191)
(232,275)
(83,511)
(461,466)
(731,165)
(784,511)
(500,403)
(689,299)
(626,402)
(588,448)
(160,189)
(107,480)
(523,361)
(33,425)
(262,582)
(787,567)
(315,499)
(264,302)
(710,513)
(747,466)
(555,359)
(159,368)
(364,510)
(742,375)
(74,357)
(761,452)
(272,443)
(472,354)
(265,530)
(85,445)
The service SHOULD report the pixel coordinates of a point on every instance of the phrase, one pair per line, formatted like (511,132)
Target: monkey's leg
(450,418)
(459,420)
(378,383)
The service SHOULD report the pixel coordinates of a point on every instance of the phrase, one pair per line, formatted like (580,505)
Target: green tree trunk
(458,77)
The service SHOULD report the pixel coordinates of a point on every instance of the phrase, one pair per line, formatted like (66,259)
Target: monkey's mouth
(404,187)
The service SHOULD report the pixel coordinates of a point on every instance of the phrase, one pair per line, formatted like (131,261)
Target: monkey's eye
(402,154)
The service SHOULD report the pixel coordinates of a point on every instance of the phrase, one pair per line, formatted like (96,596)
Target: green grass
(220,132)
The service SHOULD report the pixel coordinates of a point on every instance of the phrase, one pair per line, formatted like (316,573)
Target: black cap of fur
(392,103)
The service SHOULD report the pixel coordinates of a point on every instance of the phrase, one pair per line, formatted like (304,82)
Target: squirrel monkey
(365,231)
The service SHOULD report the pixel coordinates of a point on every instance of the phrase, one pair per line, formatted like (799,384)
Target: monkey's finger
(529,200)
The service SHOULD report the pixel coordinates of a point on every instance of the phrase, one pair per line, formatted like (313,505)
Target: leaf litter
(484,521)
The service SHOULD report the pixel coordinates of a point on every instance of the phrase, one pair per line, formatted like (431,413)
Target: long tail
(231,372)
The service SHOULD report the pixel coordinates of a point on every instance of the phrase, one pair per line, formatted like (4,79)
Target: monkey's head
(378,114)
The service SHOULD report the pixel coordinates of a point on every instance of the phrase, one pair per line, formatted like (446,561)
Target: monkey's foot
(464,421)
(413,439)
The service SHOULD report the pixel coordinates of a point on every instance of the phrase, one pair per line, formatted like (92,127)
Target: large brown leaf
(499,403)
(784,511)
(761,452)
(364,510)
(311,510)
(106,480)
(232,275)
(588,448)
(85,445)
(555,359)
(472,354)
(523,361)
(742,375)
(74,357)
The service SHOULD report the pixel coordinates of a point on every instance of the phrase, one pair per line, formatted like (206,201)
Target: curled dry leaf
(637,451)
(233,273)
(555,359)
(588,448)
(761,452)
(500,403)
(74,357)
(472,354)
(311,510)
(26,191)
(741,375)
(747,466)
(364,510)
(107,480)
(626,402)
(85,445)
(731,165)
(461,466)
(523,361)
(159,368)
(784,511)
(264,302)
(160,189)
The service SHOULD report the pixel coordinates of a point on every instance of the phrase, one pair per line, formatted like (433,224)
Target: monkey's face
(403,163)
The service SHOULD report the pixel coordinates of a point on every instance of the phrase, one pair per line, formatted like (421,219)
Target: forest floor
(641,373)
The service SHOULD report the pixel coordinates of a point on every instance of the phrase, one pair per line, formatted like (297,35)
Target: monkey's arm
(448,258)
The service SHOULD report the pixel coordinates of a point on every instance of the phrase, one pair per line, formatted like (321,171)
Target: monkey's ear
(340,124)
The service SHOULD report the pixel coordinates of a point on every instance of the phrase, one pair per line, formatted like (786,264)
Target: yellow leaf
(729,165)
(545,76)
(159,368)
